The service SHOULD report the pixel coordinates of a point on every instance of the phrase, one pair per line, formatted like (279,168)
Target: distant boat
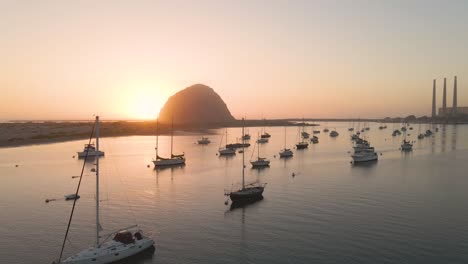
(334,133)
(302,144)
(305,135)
(363,152)
(124,243)
(406,145)
(174,160)
(238,145)
(316,131)
(351,129)
(396,132)
(247,192)
(262,140)
(364,157)
(265,134)
(226,150)
(314,140)
(90,151)
(204,141)
(72,196)
(246,136)
(285,152)
(420,136)
(428,133)
(259,162)
(326,130)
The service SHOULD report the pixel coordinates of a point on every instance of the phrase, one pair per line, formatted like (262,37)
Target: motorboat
(204,141)
(90,151)
(406,145)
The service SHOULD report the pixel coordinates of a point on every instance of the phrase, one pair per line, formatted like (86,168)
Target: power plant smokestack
(434,99)
(454,108)
(444,98)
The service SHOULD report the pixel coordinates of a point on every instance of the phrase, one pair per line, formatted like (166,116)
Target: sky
(266,59)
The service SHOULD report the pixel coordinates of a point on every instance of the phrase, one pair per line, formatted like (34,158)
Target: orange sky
(272,59)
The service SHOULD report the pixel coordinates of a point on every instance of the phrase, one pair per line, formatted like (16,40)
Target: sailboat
(302,144)
(265,134)
(123,244)
(204,141)
(248,192)
(260,162)
(227,150)
(285,152)
(246,136)
(174,159)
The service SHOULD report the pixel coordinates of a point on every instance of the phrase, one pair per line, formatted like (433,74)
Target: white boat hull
(109,252)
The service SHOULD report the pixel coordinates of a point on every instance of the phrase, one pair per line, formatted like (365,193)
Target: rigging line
(124,182)
(76,193)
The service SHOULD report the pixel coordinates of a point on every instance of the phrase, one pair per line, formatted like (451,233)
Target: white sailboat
(259,162)
(285,152)
(123,244)
(174,160)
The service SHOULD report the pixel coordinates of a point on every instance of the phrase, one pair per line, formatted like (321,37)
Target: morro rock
(197,104)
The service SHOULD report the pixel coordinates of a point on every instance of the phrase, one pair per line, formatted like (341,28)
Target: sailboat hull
(168,162)
(109,252)
(251,193)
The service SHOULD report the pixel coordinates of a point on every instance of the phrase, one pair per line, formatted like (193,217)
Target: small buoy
(380,153)
(274,156)
(47,200)
(293,174)
(226,203)
(147,166)
(216,154)
(93,169)
(16,165)
(73,156)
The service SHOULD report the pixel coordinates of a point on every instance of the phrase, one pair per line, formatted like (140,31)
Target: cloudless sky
(273,59)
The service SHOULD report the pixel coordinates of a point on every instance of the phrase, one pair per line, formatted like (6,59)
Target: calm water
(407,208)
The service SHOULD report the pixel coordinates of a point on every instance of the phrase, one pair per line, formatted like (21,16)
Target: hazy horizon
(266,59)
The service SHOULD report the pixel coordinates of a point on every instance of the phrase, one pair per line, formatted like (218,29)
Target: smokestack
(444,98)
(434,99)
(454,108)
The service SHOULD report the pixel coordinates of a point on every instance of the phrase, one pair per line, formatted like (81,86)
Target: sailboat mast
(172,134)
(258,148)
(284,137)
(243,155)
(97,182)
(157,137)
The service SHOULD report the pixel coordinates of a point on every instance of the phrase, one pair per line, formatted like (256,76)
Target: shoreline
(30,133)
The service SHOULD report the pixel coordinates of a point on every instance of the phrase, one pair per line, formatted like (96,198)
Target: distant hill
(197,104)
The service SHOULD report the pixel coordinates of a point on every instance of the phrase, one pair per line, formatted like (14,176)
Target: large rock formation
(197,104)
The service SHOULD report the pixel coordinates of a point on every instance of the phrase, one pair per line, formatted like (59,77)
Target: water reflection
(366,165)
(243,204)
(454,137)
(141,258)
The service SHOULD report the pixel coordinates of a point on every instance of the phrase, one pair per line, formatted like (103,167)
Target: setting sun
(145,107)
